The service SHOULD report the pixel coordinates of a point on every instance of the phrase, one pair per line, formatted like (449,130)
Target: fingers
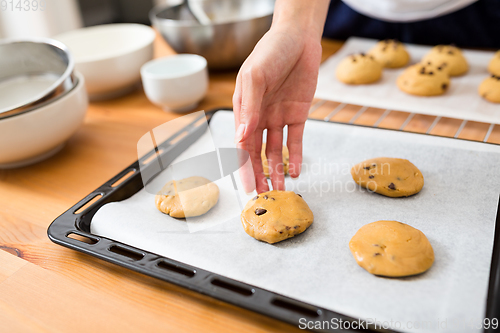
(294,144)
(246,171)
(260,178)
(274,154)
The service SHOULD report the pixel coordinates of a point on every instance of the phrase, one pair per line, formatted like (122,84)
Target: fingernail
(239,133)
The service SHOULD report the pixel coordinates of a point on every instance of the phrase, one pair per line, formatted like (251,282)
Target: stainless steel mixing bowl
(237,25)
(33,72)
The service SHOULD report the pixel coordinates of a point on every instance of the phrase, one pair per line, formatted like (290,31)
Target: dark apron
(477,25)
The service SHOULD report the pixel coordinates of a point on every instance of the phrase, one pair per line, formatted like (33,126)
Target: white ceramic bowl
(176,83)
(110,56)
(35,135)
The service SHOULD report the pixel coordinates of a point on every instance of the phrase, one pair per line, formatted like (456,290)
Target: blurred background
(45,18)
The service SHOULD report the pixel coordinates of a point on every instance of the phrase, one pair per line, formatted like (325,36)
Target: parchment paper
(460,101)
(456,209)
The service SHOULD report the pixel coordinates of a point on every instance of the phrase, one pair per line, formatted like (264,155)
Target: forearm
(307,15)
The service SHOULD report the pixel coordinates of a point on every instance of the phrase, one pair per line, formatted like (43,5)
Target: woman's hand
(274,89)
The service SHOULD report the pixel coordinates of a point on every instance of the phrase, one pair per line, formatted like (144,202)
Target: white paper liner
(456,209)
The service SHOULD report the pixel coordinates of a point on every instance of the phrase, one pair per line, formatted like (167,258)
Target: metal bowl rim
(77,81)
(192,23)
(67,73)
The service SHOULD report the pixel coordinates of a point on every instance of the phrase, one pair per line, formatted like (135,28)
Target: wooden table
(46,287)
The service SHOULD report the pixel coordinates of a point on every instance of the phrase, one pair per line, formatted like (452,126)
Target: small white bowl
(30,137)
(176,83)
(110,56)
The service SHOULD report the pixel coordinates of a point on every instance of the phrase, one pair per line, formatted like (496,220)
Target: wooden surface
(45,287)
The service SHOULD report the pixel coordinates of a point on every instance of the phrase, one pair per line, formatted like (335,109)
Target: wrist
(307,17)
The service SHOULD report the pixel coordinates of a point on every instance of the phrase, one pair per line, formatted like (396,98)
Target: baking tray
(76,221)
(461,101)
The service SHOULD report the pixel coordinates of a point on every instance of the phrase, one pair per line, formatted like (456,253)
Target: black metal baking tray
(76,221)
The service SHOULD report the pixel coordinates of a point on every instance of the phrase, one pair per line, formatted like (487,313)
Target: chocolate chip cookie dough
(489,89)
(423,80)
(187,197)
(494,65)
(448,57)
(391,248)
(390,53)
(276,215)
(265,164)
(359,69)
(392,177)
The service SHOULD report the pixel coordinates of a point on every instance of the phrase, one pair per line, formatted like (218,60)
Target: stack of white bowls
(42,100)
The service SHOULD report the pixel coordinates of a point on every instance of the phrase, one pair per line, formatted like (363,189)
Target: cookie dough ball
(423,80)
(489,89)
(276,215)
(187,197)
(391,248)
(390,53)
(265,164)
(359,69)
(494,65)
(392,177)
(447,57)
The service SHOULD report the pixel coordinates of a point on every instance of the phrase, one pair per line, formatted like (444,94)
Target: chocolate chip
(439,68)
(353,59)
(431,73)
(367,167)
(422,70)
(429,63)
(377,254)
(255,198)
(260,211)
(296,227)
(299,195)
(371,176)
(362,54)
(392,186)
(273,199)
(287,227)
(266,197)
(444,86)
(450,52)
(281,232)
